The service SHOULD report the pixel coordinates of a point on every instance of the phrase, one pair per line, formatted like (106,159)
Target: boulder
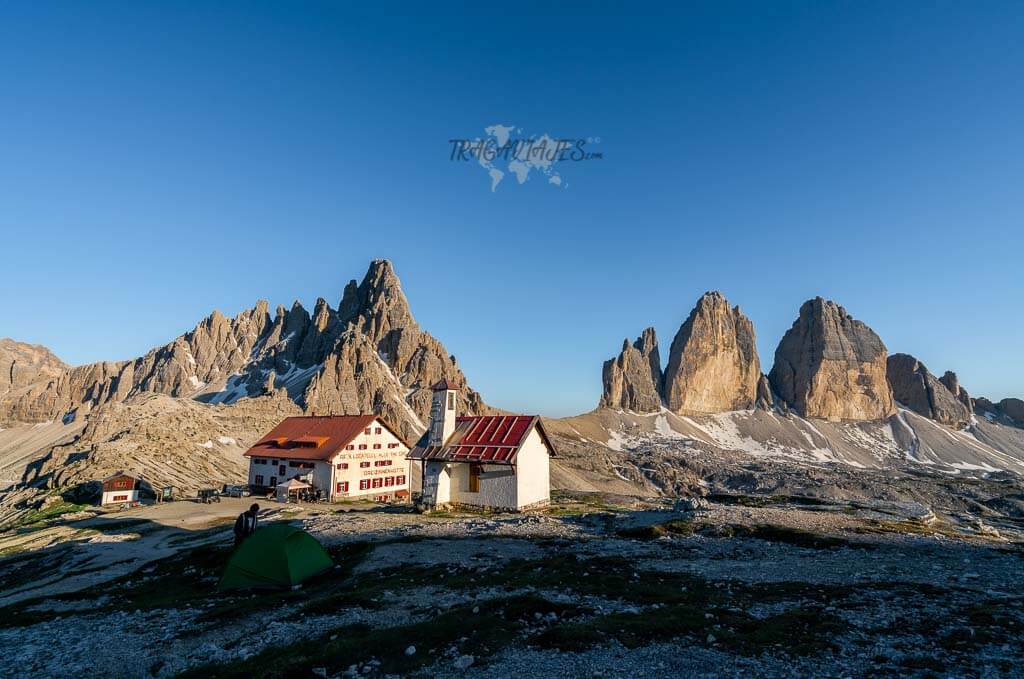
(831,366)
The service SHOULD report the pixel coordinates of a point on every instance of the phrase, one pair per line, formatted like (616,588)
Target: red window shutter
(400,480)
(377,431)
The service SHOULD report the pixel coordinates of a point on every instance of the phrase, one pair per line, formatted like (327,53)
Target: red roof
(495,439)
(314,438)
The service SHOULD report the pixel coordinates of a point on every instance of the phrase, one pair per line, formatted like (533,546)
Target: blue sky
(160,161)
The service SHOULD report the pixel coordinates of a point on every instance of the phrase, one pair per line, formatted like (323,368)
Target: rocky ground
(597,585)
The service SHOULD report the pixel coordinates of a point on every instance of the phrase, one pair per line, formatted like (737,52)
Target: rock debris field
(595,586)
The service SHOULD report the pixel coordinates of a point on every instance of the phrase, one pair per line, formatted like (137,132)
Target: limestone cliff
(713,364)
(919,390)
(22,364)
(632,381)
(829,365)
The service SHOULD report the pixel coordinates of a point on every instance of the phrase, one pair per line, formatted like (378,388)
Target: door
(474,478)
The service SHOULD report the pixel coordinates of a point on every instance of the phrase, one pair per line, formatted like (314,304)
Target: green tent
(278,555)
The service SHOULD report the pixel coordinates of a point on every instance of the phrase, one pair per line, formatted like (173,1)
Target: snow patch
(662,426)
(615,440)
(208,444)
(226,440)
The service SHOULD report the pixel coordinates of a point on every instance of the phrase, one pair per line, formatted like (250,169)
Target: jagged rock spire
(915,387)
(633,380)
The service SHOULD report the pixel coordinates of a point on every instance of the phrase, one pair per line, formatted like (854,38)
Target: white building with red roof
(490,461)
(342,456)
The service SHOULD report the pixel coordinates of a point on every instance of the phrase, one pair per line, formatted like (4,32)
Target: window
(282,470)
(400,480)
(451,400)
(343,465)
(273,481)
(389,481)
(382,463)
(363,465)
(273,462)
(392,445)
(377,430)
(258,461)
(474,478)
(366,431)
(364,484)
(376,446)
(362,446)
(342,487)
(378,482)
(259,479)
(350,446)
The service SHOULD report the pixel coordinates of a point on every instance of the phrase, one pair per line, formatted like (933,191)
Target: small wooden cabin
(120,488)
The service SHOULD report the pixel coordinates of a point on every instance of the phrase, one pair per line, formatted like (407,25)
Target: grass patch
(658,530)
(792,536)
(496,624)
(35,517)
(186,579)
(766,500)
(802,631)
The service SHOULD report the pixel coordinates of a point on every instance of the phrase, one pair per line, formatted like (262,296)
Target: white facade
(373,464)
(523,483)
(113,497)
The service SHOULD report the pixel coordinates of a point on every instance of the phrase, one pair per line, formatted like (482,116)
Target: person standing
(245,524)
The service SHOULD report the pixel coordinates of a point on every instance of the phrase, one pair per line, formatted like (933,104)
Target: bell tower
(442,412)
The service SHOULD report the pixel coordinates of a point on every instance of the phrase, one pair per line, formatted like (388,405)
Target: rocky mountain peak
(920,391)
(22,364)
(349,307)
(832,366)
(633,380)
(952,382)
(713,364)
(382,303)
(370,356)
